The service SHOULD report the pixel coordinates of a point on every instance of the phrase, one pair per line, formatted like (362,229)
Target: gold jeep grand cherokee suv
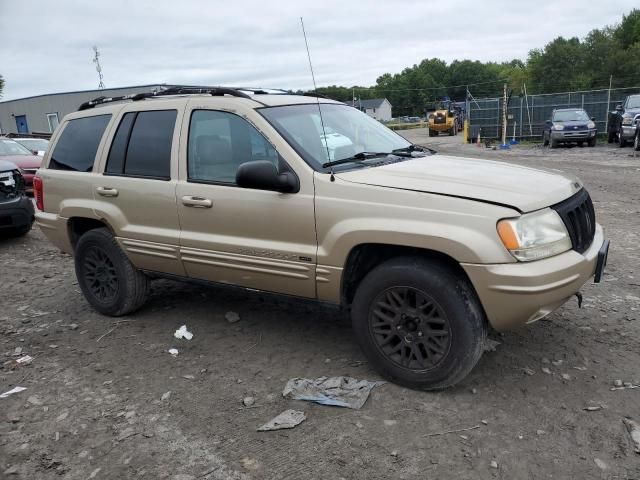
(311,198)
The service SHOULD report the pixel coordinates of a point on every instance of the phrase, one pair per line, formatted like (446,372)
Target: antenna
(315,89)
(96,60)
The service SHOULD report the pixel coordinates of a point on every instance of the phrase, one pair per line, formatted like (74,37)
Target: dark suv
(16,209)
(623,122)
(569,125)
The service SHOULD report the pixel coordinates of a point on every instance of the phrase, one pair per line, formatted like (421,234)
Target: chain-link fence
(526,115)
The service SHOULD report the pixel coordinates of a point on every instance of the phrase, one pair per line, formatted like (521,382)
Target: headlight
(591,125)
(534,236)
(558,126)
(627,120)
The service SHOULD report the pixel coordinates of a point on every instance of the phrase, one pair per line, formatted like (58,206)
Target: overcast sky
(45,45)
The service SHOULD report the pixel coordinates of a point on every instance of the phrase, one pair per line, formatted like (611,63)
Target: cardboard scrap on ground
(634,433)
(336,391)
(287,419)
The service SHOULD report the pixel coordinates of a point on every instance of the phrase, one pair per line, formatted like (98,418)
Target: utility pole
(96,60)
(504,118)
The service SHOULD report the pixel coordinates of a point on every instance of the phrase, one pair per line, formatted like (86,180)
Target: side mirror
(618,108)
(263,175)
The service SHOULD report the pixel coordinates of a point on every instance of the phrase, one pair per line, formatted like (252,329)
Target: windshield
(570,116)
(347,132)
(633,102)
(9,147)
(34,143)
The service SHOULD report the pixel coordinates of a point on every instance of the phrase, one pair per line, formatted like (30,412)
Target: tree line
(612,52)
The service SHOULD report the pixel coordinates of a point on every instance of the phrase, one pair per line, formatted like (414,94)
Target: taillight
(38,193)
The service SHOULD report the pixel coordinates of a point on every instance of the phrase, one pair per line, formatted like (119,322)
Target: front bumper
(573,135)
(628,132)
(515,294)
(16,213)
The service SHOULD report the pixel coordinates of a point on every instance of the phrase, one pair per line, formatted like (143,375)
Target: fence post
(606,121)
(521,117)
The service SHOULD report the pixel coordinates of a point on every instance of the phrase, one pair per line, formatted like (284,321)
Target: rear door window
(142,145)
(77,147)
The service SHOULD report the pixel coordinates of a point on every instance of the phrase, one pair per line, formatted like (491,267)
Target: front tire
(108,280)
(636,140)
(622,142)
(419,323)
(592,142)
(554,143)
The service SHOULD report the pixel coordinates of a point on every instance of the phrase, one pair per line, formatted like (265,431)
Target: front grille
(439,119)
(579,217)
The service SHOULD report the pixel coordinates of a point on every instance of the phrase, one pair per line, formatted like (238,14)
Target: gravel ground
(104,398)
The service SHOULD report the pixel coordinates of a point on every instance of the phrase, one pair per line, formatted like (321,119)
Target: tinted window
(118,152)
(76,149)
(149,150)
(220,142)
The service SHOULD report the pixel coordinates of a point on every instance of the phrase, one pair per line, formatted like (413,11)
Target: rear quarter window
(78,144)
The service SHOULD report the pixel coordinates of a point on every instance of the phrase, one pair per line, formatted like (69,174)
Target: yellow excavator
(443,118)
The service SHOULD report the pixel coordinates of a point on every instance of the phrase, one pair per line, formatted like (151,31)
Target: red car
(27,162)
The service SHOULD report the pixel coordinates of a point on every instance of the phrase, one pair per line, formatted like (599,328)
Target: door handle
(107,191)
(197,202)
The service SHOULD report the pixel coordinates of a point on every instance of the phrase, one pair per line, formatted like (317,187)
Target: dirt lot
(97,402)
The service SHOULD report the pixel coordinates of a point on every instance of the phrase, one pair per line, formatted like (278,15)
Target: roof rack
(178,90)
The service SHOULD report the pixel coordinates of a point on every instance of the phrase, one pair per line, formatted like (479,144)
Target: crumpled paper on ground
(336,391)
(182,332)
(287,419)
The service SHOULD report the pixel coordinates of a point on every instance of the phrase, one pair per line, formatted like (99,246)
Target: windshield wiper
(362,156)
(414,148)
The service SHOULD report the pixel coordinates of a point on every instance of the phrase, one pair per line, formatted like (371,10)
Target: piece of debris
(26,360)
(232,317)
(593,408)
(337,391)
(484,422)
(165,396)
(546,370)
(617,383)
(287,419)
(189,377)
(12,391)
(528,371)
(540,432)
(73,326)
(17,352)
(248,401)
(633,429)
(173,351)
(600,464)
(490,345)
(182,332)
(557,363)
(566,376)
(494,464)
(451,431)
(394,453)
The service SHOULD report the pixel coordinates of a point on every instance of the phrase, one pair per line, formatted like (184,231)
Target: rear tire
(419,323)
(621,141)
(108,279)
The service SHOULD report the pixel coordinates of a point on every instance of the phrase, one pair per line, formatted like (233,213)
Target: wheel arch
(78,226)
(363,258)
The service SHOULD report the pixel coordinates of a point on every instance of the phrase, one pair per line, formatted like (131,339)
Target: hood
(6,166)
(572,124)
(632,111)
(523,188)
(23,161)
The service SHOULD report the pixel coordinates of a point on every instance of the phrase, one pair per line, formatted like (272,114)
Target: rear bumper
(16,213)
(54,228)
(515,294)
